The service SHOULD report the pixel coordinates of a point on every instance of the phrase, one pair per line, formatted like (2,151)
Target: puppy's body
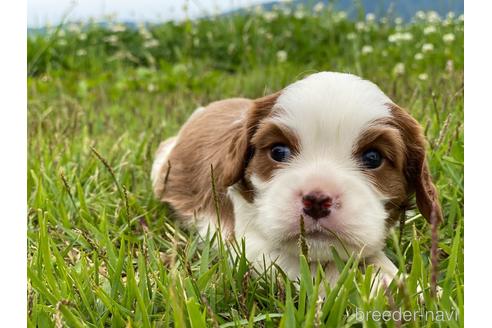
(332,149)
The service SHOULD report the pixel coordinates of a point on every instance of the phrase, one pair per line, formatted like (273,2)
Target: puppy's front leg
(386,270)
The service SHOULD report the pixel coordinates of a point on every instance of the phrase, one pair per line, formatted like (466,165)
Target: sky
(40,12)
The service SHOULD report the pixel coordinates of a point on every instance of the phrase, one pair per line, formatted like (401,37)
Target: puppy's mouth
(316,232)
(318,235)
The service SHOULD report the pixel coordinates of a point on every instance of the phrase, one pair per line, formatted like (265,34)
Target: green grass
(102,252)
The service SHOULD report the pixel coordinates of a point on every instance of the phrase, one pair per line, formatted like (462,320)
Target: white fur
(161,158)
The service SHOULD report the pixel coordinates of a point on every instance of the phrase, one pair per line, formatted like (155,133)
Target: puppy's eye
(280,153)
(372,159)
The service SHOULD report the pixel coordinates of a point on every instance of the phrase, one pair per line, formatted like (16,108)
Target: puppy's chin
(322,244)
(354,225)
(321,249)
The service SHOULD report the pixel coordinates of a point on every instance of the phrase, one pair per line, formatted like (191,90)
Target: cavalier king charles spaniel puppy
(331,149)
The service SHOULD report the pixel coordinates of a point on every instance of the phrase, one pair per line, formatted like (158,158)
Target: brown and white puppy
(332,148)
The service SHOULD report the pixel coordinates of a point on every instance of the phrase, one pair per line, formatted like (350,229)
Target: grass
(103,252)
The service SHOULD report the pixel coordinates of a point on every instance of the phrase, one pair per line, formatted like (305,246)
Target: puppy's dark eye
(372,159)
(280,153)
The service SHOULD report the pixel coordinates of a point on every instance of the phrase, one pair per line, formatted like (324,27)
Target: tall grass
(103,252)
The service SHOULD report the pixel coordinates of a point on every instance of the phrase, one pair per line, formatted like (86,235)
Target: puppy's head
(336,151)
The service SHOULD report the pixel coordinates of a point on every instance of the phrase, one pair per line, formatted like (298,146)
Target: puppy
(332,150)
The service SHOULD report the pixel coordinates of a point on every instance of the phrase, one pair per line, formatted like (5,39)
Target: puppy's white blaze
(329,110)
(161,158)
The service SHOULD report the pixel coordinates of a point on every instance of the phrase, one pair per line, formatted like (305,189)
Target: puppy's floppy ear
(240,150)
(416,168)
(262,108)
(217,136)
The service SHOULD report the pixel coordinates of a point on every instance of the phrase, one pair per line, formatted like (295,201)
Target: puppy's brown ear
(240,150)
(416,169)
(262,108)
(217,136)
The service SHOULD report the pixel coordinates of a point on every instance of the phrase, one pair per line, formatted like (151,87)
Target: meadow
(103,252)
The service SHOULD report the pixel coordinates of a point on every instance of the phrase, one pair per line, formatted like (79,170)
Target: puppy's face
(333,150)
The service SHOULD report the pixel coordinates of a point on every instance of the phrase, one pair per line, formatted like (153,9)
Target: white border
(478,145)
(13,124)
(478,216)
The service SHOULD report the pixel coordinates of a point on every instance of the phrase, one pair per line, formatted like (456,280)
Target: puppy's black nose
(317,205)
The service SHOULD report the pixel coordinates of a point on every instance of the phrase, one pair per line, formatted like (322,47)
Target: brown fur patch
(218,137)
(268,135)
(417,170)
(389,178)
(404,171)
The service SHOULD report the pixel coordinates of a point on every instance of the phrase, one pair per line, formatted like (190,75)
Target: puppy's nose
(317,205)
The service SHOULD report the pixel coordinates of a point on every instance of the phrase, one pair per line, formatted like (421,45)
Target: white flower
(151,87)
(145,33)
(397,37)
(111,39)
(351,36)
(61,33)
(318,7)
(418,56)
(367,50)
(407,36)
(62,42)
(152,43)
(423,76)
(117,28)
(82,36)
(398,20)
(427,47)
(433,17)
(281,56)
(342,15)
(448,38)
(384,20)
(420,14)
(270,16)
(399,69)
(360,26)
(451,15)
(461,18)
(429,29)
(81,52)
(258,9)
(299,13)
(370,17)
(74,28)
